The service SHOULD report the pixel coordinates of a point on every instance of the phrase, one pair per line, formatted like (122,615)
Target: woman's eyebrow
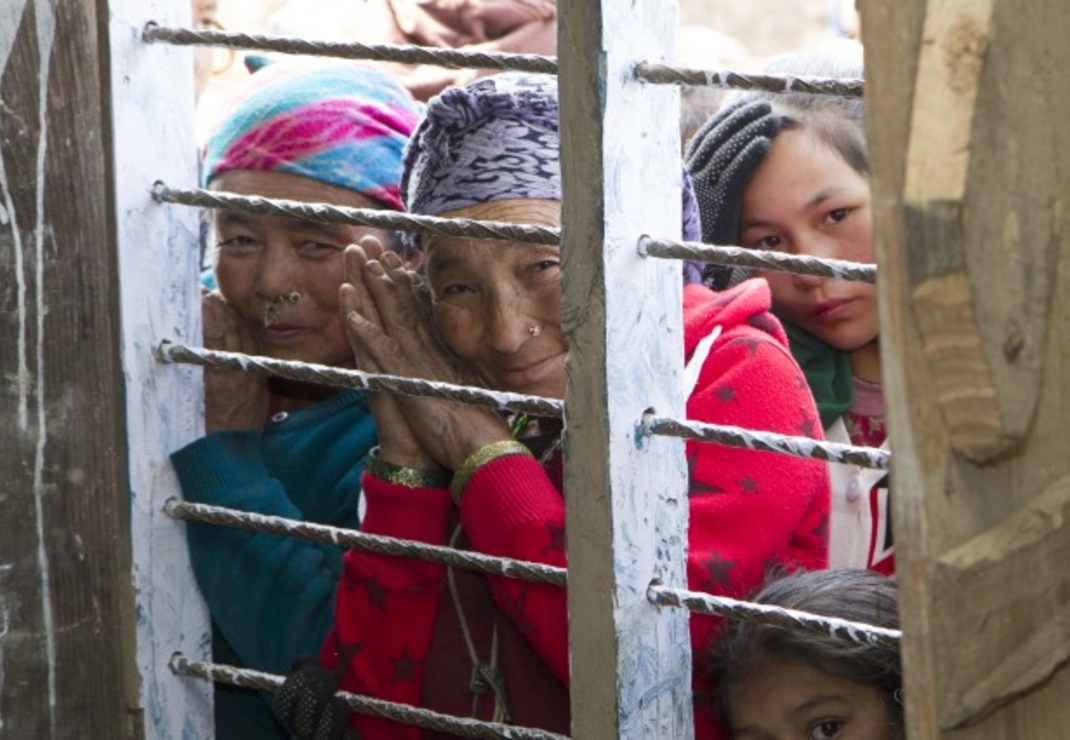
(815,702)
(232,217)
(441,264)
(822,196)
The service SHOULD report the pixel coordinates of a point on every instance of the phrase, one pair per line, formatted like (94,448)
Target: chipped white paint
(626,496)
(11,12)
(4,629)
(158,281)
(46,33)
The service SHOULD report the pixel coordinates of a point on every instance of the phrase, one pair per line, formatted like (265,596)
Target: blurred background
(724,34)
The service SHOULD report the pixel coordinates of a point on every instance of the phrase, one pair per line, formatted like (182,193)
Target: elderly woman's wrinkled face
(282,275)
(497,304)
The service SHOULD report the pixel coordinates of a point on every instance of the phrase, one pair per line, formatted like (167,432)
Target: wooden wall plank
(980,478)
(626,498)
(66,603)
(151,89)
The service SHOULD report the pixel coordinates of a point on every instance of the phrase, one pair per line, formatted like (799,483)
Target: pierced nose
(535,330)
(273,309)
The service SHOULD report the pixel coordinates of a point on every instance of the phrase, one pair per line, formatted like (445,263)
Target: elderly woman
(492,647)
(330,134)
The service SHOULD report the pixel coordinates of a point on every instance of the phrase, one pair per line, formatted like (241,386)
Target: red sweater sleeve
(386,606)
(751,511)
(512,509)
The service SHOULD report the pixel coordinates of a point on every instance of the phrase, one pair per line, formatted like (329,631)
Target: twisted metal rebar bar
(663,74)
(866,457)
(326,213)
(776,616)
(758,259)
(403,54)
(351,539)
(404,713)
(345,378)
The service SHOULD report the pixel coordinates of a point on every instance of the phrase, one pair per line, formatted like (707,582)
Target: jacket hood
(746,303)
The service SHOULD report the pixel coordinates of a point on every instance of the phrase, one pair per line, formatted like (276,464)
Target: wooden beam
(987,581)
(157,257)
(66,602)
(626,496)
(971,170)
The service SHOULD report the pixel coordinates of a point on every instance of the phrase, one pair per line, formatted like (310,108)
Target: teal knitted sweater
(272,598)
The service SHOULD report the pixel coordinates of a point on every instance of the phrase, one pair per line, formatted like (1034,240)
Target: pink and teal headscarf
(344,125)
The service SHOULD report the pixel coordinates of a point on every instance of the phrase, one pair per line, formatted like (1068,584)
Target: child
(781,684)
(790,173)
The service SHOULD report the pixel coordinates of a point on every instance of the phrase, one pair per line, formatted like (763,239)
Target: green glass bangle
(402,476)
(478,459)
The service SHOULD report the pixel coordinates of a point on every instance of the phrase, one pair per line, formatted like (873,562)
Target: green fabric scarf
(827,371)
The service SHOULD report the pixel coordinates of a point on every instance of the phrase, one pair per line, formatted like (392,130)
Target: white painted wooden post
(153,120)
(626,496)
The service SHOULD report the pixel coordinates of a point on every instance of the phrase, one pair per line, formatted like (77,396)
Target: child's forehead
(777,696)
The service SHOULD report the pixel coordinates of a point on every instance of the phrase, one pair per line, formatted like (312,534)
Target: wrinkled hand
(722,158)
(397,443)
(233,400)
(306,705)
(388,317)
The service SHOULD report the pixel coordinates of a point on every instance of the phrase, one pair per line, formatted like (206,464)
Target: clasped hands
(388,316)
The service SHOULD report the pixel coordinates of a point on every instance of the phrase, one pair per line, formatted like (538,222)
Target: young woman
(778,684)
(791,174)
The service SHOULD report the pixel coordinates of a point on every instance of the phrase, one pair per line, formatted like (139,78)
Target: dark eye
(547,265)
(240,241)
(839,214)
(454,289)
(826,729)
(317,249)
(767,242)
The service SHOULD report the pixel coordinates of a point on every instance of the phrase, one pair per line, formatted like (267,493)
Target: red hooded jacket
(749,511)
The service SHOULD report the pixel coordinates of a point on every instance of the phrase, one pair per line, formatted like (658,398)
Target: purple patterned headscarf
(495,139)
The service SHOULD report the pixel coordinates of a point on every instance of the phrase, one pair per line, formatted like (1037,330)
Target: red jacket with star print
(396,634)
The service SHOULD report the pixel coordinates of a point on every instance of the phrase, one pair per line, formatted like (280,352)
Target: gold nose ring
(274,309)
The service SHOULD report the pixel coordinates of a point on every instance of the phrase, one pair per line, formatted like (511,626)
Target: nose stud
(535,330)
(274,308)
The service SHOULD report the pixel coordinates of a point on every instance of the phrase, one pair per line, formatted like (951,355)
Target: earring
(535,330)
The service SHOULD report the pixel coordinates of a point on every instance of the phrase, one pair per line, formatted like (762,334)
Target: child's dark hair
(835,121)
(855,595)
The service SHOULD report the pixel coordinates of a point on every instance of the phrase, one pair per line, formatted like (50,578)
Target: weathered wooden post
(626,496)
(967,108)
(66,619)
(95,589)
(157,251)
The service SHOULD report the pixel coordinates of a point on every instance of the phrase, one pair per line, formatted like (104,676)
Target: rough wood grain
(990,580)
(626,498)
(66,604)
(1007,234)
(983,353)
